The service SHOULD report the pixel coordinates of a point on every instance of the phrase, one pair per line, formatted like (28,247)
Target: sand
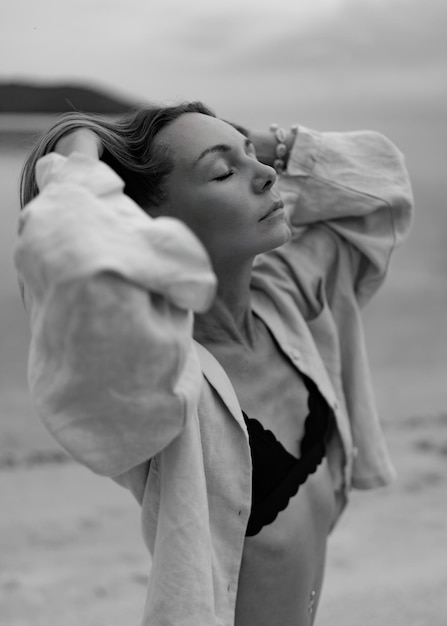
(72,553)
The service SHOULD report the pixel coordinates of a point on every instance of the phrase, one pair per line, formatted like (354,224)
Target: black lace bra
(277,474)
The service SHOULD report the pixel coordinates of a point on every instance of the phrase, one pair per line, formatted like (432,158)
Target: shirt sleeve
(347,190)
(110,294)
(349,203)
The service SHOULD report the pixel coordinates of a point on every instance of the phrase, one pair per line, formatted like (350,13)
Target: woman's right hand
(81,140)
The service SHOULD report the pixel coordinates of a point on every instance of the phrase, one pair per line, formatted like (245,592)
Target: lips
(276,206)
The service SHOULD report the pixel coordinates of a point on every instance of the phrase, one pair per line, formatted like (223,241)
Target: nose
(264,178)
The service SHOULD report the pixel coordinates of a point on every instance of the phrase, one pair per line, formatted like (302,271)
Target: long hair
(129,149)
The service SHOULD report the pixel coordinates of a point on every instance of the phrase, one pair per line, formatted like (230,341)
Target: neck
(229,319)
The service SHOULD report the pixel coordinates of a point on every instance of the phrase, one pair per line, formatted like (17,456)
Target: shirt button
(355,452)
(295,356)
(228,588)
(239,513)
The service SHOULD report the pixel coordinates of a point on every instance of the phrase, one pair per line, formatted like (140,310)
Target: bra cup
(277,474)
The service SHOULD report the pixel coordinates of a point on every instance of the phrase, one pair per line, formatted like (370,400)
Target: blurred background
(326,64)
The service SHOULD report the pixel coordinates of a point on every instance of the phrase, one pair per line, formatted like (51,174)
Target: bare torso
(282,566)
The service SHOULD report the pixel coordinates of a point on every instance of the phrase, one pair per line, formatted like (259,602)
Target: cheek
(223,233)
(213,214)
(219,217)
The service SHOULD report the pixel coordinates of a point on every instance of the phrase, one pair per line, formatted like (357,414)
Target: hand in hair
(125,144)
(81,140)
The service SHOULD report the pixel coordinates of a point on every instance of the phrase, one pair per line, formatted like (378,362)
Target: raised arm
(349,204)
(110,292)
(344,190)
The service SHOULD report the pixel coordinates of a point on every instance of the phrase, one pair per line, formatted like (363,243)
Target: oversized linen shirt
(119,381)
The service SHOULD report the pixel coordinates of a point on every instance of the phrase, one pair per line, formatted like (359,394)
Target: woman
(207,351)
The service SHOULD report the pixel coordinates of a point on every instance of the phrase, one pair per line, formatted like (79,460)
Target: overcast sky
(133,43)
(231,54)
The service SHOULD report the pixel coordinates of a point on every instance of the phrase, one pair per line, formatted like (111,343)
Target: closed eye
(224,176)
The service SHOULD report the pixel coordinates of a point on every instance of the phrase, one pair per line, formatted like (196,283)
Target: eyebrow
(220,147)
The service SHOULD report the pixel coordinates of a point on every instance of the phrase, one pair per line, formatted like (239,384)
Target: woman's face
(220,190)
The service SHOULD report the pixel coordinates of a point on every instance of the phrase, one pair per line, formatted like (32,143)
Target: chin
(281,236)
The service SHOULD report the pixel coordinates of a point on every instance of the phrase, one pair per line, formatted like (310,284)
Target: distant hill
(25,98)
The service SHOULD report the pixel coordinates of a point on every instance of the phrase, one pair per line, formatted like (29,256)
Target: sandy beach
(72,553)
